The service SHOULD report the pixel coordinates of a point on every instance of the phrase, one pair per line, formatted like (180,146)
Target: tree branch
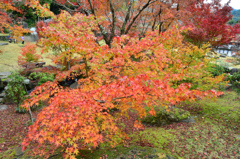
(113,21)
(126,18)
(136,16)
(103,101)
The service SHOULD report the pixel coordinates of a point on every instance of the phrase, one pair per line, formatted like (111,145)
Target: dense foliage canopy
(130,75)
(146,61)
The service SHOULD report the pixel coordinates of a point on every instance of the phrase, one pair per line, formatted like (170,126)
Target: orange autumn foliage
(123,77)
(6,22)
(28,54)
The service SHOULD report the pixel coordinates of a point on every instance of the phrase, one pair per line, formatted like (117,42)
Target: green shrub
(41,77)
(16,89)
(235,81)
(216,70)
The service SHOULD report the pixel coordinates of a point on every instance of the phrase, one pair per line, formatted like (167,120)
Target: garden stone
(164,116)
(188,120)
(26,81)
(169,157)
(3,44)
(74,85)
(3,77)
(18,151)
(224,56)
(233,70)
(5,73)
(3,107)
(151,156)
(2,95)
(28,84)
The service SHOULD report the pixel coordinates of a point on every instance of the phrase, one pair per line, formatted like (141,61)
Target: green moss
(10,153)
(225,109)
(121,152)
(205,140)
(157,137)
(177,114)
(165,117)
(2,140)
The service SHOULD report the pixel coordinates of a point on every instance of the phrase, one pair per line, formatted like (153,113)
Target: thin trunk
(126,18)
(137,15)
(68,64)
(86,65)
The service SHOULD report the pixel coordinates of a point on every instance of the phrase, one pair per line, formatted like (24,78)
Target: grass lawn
(8,59)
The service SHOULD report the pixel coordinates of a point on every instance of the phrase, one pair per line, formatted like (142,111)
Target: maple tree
(123,77)
(130,17)
(208,23)
(28,54)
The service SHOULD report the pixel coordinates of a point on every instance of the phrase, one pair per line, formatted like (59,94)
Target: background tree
(7,22)
(127,17)
(208,23)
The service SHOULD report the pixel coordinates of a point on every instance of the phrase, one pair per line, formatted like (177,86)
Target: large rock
(234,70)
(4,75)
(3,107)
(224,56)
(2,95)
(28,84)
(188,120)
(164,116)
(75,85)
(3,44)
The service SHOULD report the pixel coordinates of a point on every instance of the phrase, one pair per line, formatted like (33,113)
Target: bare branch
(136,16)
(126,18)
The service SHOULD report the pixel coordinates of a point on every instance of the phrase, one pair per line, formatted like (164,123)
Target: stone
(27,81)
(234,70)
(40,64)
(169,157)
(2,95)
(3,44)
(28,84)
(25,25)
(164,116)
(224,56)
(3,107)
(3,77)
(188,120)
(18,151)
(75,85)
(5,73)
